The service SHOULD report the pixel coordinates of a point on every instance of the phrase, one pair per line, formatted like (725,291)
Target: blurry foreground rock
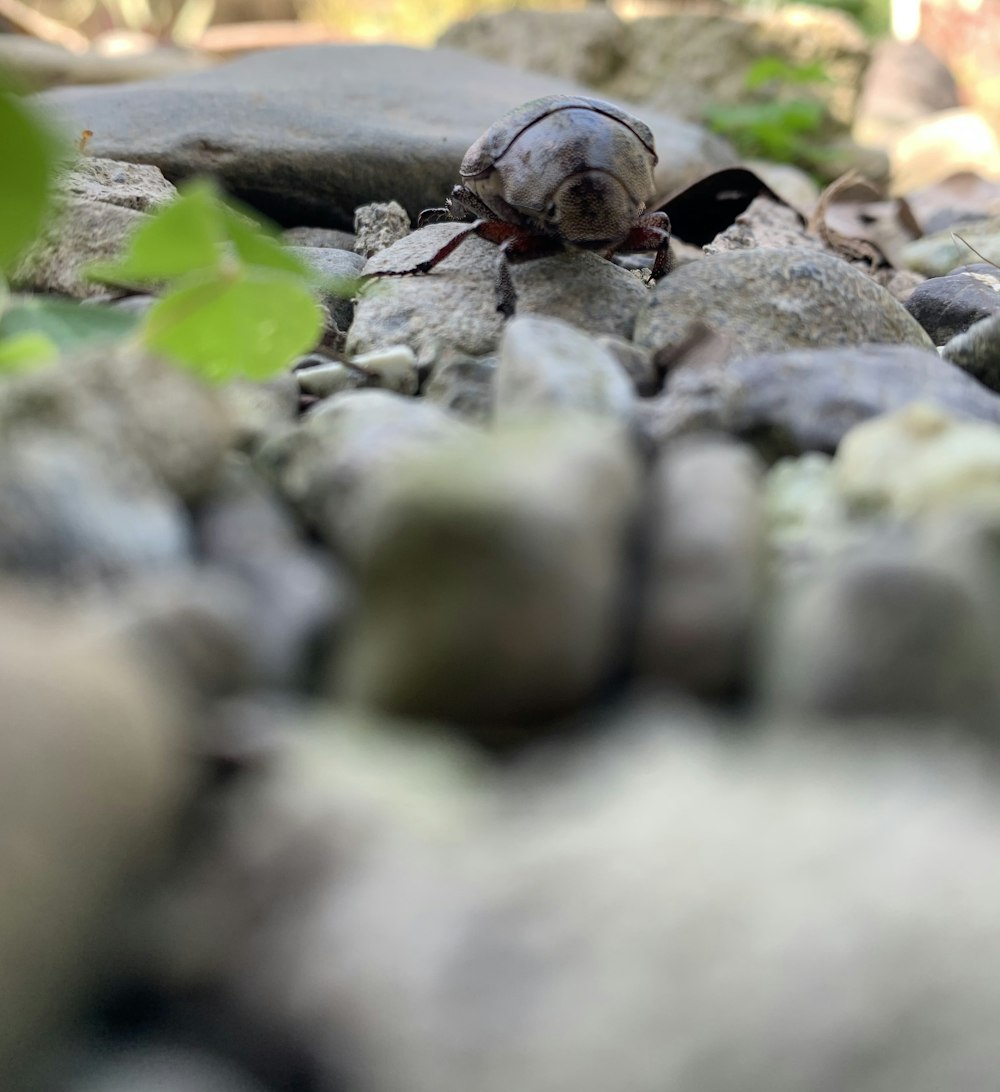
(437,932)
(91,785)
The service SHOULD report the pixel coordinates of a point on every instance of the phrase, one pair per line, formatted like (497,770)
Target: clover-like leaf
(30,154)
(25,351)
(180,238)
(64,323)
(251,324)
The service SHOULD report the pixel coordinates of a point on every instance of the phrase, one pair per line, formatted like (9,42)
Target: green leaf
(179,238)
(25,351)
(252,325)
(65,323)
(776,69)
(255,244)
(30,154)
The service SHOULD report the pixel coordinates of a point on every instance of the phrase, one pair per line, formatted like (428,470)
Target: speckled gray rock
(132,408)
(807,399)
(138,186)
(977,351)
(765,874)
(494,588)
(947,306)
(83,231)
(334,465)
(886,633)
(257,410)
(378,226)
(452,309)
(92,782)
(768,300)
(703,582)
(549,367)
(337,126)
(765,223)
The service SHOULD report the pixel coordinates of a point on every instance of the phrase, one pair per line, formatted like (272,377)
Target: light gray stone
(703,583)
(452,309)
(548,367)
(334,466)
(378,226)
(808,399)
(769,300)
(493,590)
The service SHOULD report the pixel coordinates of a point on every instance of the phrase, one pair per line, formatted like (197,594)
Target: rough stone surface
(769,300)
(378,226)
(808,399)
(91,781)
(946,306)
(319,237)
(131,185)
(84,231)
(548,367)
(452,309)
(704,578)
(493,589)
(309,134)
(334,465)
(781,880)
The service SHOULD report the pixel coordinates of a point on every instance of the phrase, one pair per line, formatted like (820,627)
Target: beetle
(556,172)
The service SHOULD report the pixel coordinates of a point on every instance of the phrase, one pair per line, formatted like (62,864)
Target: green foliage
(770,126)
(238,302)
(30,154)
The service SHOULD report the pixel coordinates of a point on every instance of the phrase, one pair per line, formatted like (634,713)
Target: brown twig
(42,26)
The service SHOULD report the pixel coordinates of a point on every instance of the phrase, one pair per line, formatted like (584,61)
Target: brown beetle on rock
(555,172)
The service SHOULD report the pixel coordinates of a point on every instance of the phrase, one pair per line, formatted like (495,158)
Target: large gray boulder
(308,134)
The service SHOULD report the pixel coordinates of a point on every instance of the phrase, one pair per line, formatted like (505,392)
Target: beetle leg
(651,232)
(433,216)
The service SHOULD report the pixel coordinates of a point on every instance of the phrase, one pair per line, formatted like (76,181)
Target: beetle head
(592,209)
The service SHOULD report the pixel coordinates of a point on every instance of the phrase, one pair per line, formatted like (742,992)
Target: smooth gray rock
(161,1068)
(323,377)
(977,350)
(886,634)
(493,591)
(333,467)
(130,406)
(452,309)
(807,399)
(335,126)
(71,515)
(703,582)
(465,385)
(319,237)
(948,306)
(296,598)
(452,932)
(336,271)
(259,410)
(92,783)
(548,367)
(767,300)
(938,254)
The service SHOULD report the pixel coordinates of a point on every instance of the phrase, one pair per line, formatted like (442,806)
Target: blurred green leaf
(177,239)
(256,245)
(65,323)
(24,351)
(30,154)
(777,70)
(252,324)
